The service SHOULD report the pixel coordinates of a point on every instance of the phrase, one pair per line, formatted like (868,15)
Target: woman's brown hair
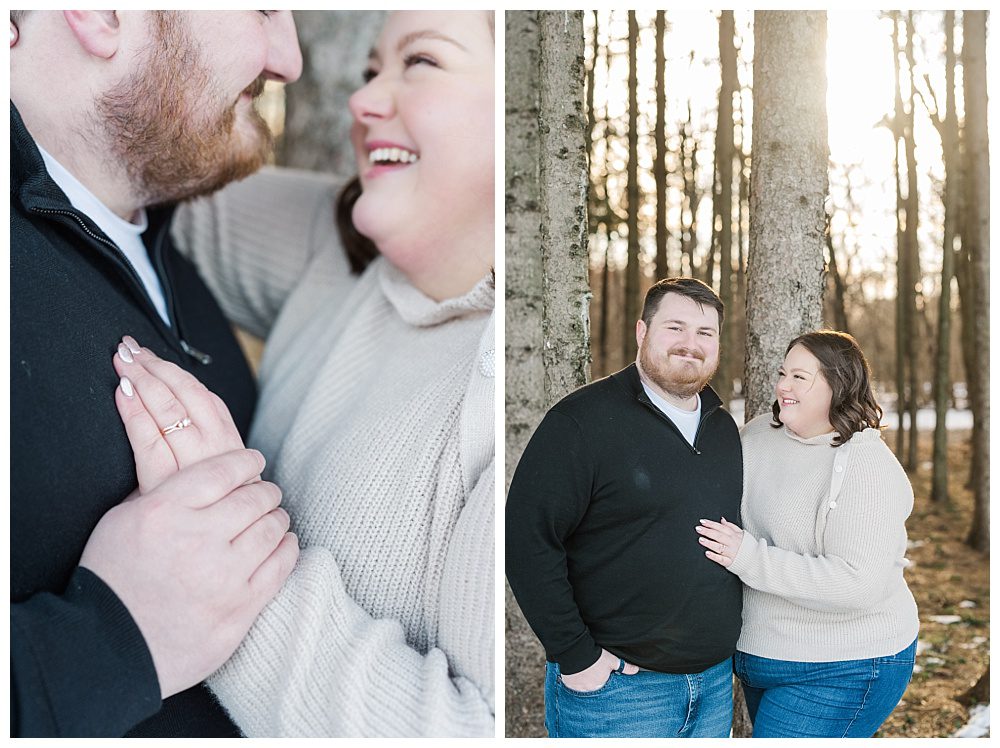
(845,369)
(359,248)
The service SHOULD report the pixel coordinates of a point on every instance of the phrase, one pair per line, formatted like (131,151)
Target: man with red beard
(120,610)
(638,628)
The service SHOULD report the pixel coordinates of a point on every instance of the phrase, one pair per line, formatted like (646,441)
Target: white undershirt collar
(126,235)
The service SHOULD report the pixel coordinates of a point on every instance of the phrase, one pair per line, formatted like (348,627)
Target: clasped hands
(201,546)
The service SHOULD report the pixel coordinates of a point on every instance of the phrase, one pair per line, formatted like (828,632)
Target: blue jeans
(846,699)
(644,705)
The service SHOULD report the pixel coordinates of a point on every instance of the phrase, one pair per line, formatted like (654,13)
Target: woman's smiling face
(803,394)
(424,142)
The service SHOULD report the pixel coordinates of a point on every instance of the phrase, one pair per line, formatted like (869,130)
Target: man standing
(637,624)
(119,610)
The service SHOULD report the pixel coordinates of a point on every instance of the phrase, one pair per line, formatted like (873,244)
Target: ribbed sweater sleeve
(253,240)
(860,530)
(315,663)
(549,495)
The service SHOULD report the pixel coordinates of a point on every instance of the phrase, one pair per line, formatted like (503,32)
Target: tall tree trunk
(789,184)
(948,129)
(901,265)
(839,307)
(632,269)
(744,162)
(317,129)
(689,171)
(547,341)
(725,149)
(660,164)
(912,253)
(977,236)
(788,187)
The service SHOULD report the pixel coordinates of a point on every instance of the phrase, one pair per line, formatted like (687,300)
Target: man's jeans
(644,705)
(846,699)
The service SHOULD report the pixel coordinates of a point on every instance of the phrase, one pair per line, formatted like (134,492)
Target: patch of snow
(922,646)
(944,619)
(933,661)
(915,544)
(979,723)
(967,604)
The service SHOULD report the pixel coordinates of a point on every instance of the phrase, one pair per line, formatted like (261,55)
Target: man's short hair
(694,289)
(16,16)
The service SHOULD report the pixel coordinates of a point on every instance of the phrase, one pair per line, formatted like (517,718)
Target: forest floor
(950,581)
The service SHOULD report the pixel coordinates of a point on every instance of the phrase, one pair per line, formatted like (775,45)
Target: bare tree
(660,164)
(725,149)
(788,189)
(632,268)
(547,339)
(976,237)
(947,127)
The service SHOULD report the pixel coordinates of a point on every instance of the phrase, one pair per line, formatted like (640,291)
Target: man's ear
(640,332)
(97,31)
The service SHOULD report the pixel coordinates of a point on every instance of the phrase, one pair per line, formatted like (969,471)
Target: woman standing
(376,405)
(829,625)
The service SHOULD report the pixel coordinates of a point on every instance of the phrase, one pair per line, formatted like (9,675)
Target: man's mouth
(391,155)
(687,355)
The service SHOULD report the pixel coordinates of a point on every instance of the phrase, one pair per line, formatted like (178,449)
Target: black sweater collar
(33,187)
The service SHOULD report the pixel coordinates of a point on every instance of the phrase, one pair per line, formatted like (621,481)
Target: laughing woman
(376,405)
(829,625)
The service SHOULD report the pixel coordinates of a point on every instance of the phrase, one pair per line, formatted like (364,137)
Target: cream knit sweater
(376,418)
(822,555)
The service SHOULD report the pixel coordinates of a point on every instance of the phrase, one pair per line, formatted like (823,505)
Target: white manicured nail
(131,343)
(124,353)
(126,386)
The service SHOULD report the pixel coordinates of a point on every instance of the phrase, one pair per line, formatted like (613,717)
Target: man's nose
(284,58)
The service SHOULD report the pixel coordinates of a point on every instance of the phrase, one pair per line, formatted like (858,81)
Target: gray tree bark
(725,150)
(788,186)
(977,236)
(632,307)
(547,298)
(335,47)
(660,164)
(948,129)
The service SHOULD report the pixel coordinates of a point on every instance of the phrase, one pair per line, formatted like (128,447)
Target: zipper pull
(202,358)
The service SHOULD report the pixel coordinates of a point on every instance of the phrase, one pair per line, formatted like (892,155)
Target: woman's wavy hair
(845,369)
(360,249)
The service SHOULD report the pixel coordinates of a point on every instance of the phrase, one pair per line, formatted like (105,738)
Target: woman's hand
(721,539)
(171,419)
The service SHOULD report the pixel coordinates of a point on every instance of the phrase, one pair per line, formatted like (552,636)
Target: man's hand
(195,560)
(597,674)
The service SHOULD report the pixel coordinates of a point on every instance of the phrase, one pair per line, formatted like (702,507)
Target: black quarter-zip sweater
(79,665)
(601,546)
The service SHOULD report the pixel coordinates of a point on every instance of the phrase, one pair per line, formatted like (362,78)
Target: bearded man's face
(174,124)
(679,349)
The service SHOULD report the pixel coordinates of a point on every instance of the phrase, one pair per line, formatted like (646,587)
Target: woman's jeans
(644,705)
(846,699)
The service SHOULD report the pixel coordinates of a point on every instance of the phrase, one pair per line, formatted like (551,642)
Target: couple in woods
(656,550)
(157,587)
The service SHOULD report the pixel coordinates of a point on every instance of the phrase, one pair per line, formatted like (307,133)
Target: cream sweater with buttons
(376,419)
(822,555)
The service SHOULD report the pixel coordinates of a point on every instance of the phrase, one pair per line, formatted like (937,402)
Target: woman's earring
(13,34)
